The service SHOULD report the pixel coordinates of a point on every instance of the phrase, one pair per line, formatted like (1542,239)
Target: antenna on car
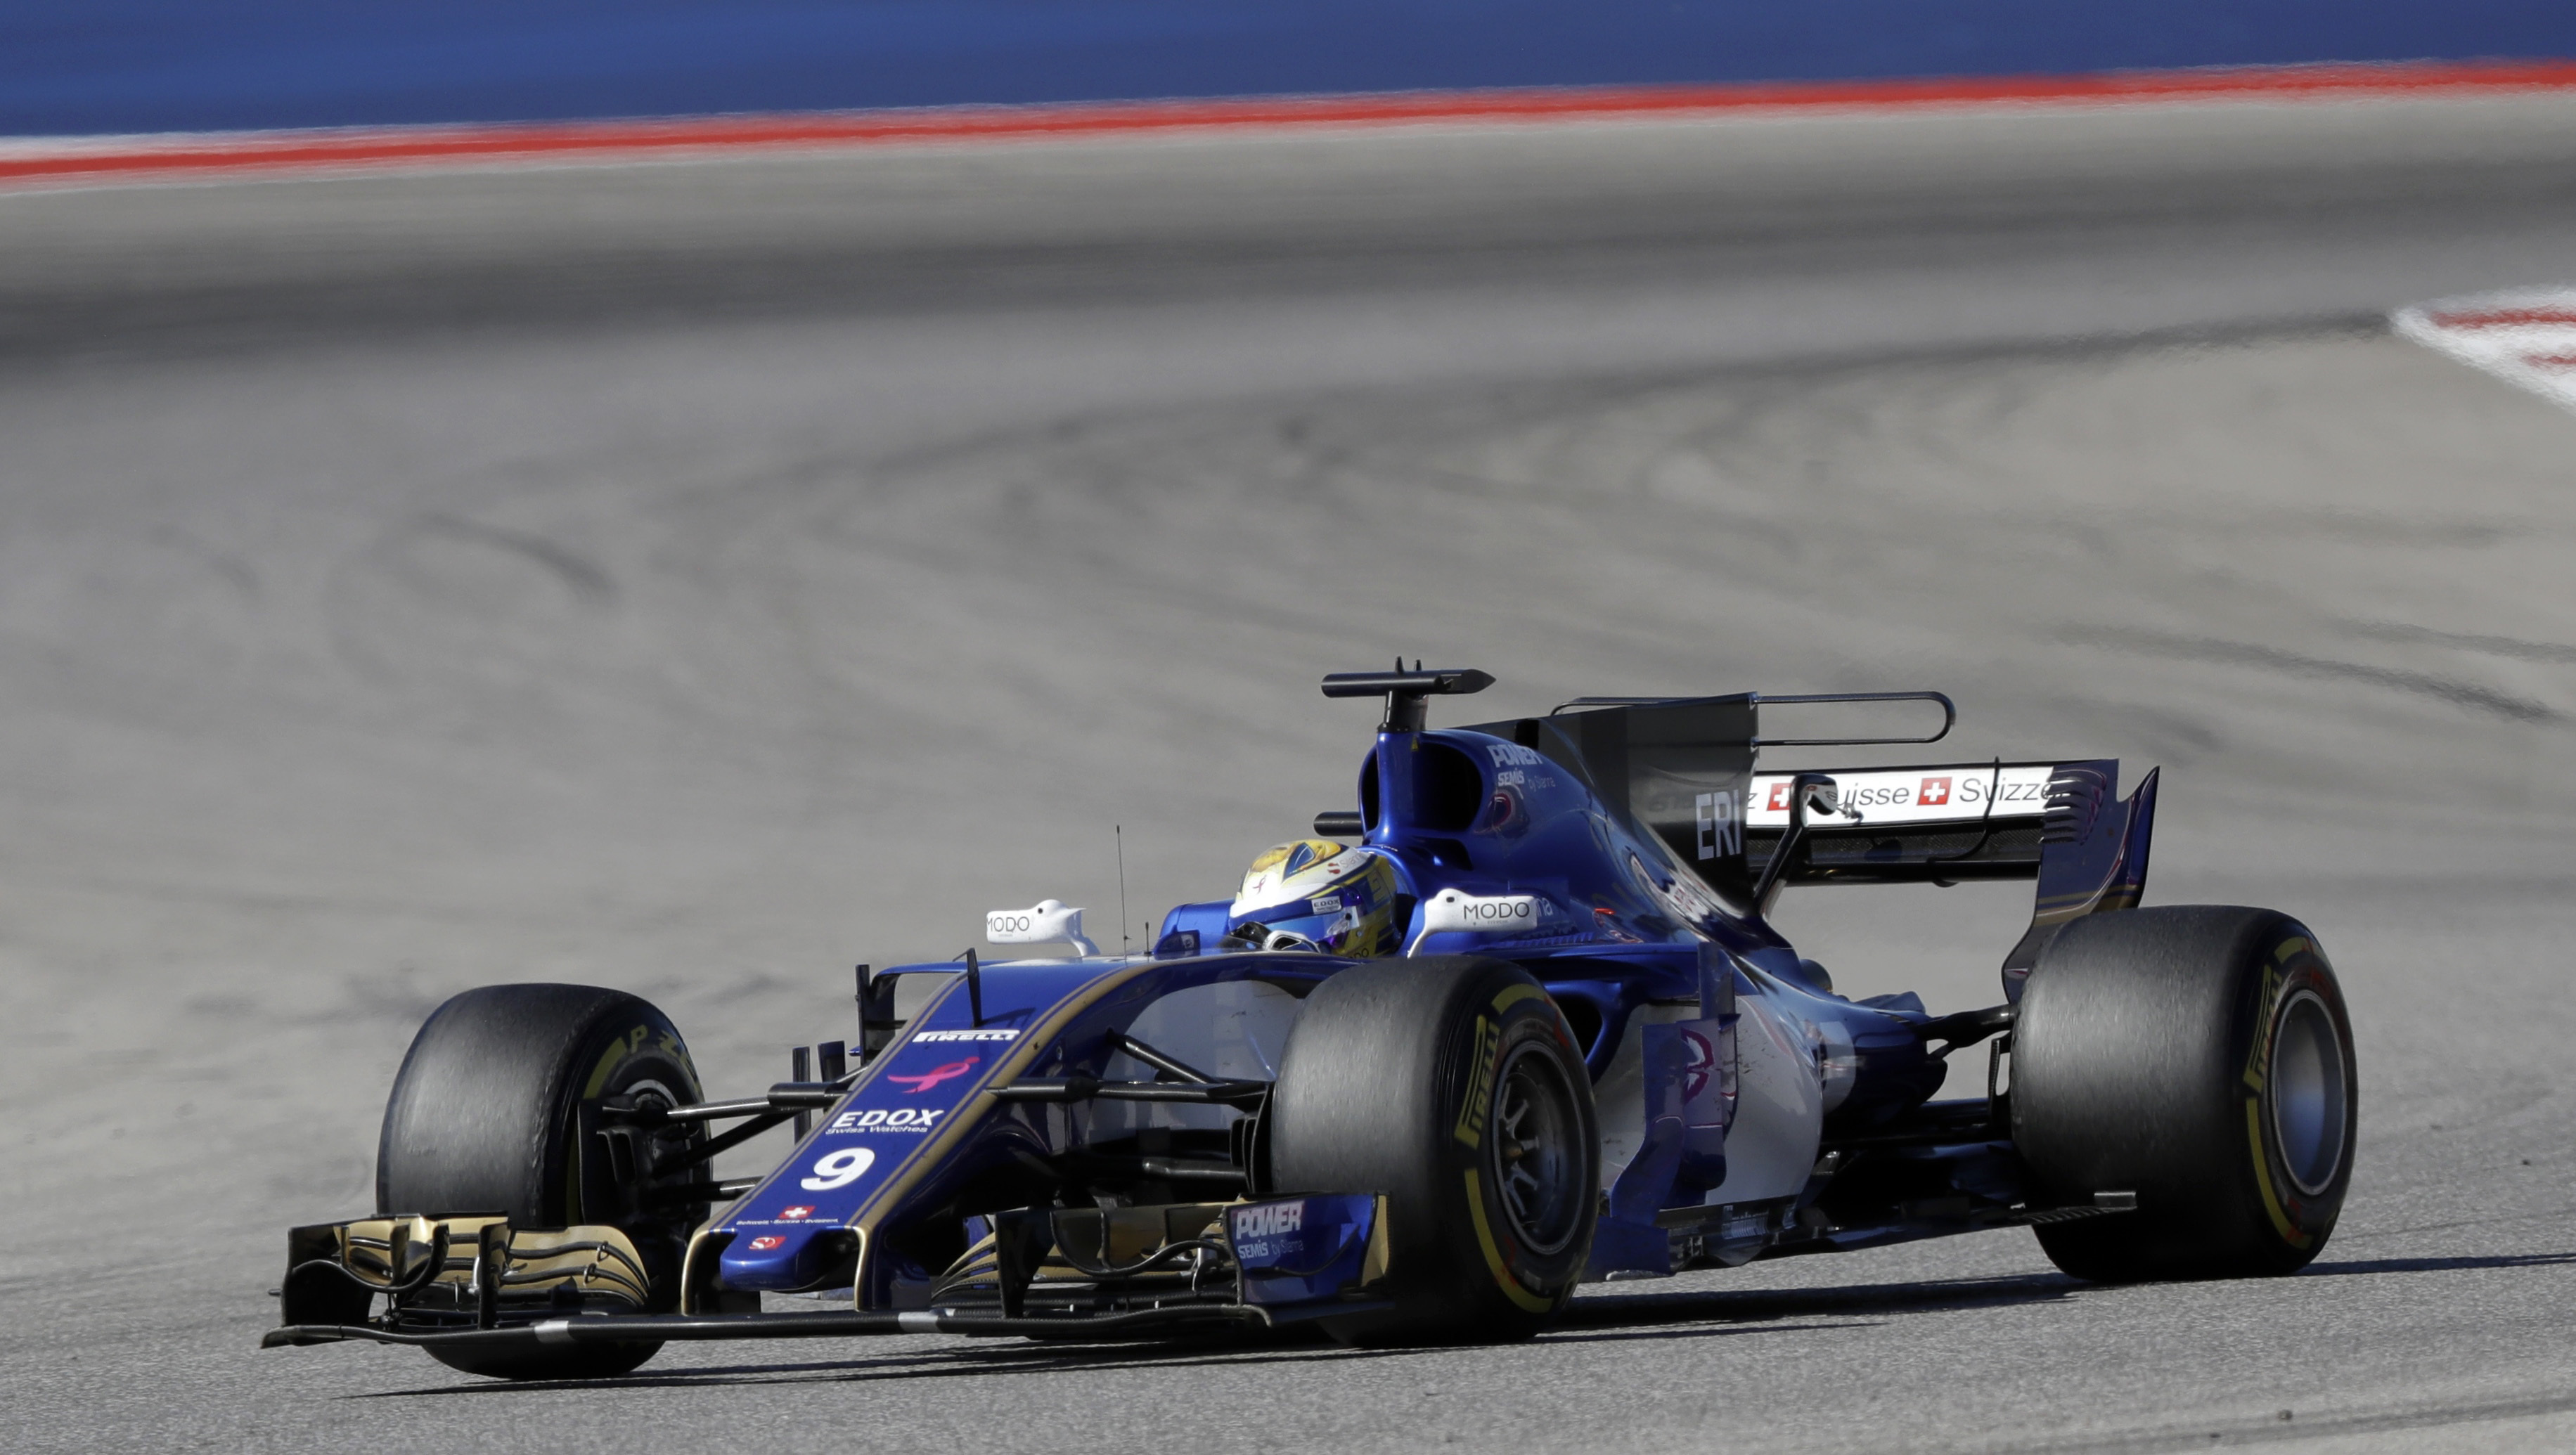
(1405,692)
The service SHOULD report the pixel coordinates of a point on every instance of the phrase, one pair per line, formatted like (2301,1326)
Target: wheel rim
(1537,1158)
(2308,1092)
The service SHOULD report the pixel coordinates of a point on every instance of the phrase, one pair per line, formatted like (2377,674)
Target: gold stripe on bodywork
(1373,1263)
(705,1246)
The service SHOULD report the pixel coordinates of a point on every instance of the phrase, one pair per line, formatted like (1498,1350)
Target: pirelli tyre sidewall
(2201,1057)
(1453,1086)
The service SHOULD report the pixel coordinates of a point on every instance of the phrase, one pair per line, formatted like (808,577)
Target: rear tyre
(485,1118)
(2201,1057)
(1454,1087)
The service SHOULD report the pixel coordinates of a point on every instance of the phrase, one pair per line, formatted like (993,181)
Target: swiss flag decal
(1936,791)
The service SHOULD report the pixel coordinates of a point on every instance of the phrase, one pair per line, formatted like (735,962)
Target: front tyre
(2201,1057)
(485,1118)
(1452,1086)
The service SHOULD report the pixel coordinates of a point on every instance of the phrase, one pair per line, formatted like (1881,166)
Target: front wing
(476,1283)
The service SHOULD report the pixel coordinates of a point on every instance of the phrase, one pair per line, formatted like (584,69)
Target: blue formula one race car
(1519,1022)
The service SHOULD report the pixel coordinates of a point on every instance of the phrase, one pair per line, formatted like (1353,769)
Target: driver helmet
(1316,894)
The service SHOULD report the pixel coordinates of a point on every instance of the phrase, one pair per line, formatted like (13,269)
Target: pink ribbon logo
(929,1079)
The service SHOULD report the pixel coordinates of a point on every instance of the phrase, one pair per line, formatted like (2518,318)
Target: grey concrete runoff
(697,577)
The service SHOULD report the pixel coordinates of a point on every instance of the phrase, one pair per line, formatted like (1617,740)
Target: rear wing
(2062,824)
(1938,823)
(1682,770)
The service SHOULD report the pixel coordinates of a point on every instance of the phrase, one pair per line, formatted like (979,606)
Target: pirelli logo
(1480,1094)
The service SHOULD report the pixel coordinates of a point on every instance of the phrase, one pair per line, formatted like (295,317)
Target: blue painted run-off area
(74,66)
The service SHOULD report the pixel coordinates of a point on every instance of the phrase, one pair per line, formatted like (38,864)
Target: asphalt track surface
(697,577)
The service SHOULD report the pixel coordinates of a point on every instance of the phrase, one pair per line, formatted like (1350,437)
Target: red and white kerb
(2526,337)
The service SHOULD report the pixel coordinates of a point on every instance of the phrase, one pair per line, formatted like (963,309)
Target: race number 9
(839,1169)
